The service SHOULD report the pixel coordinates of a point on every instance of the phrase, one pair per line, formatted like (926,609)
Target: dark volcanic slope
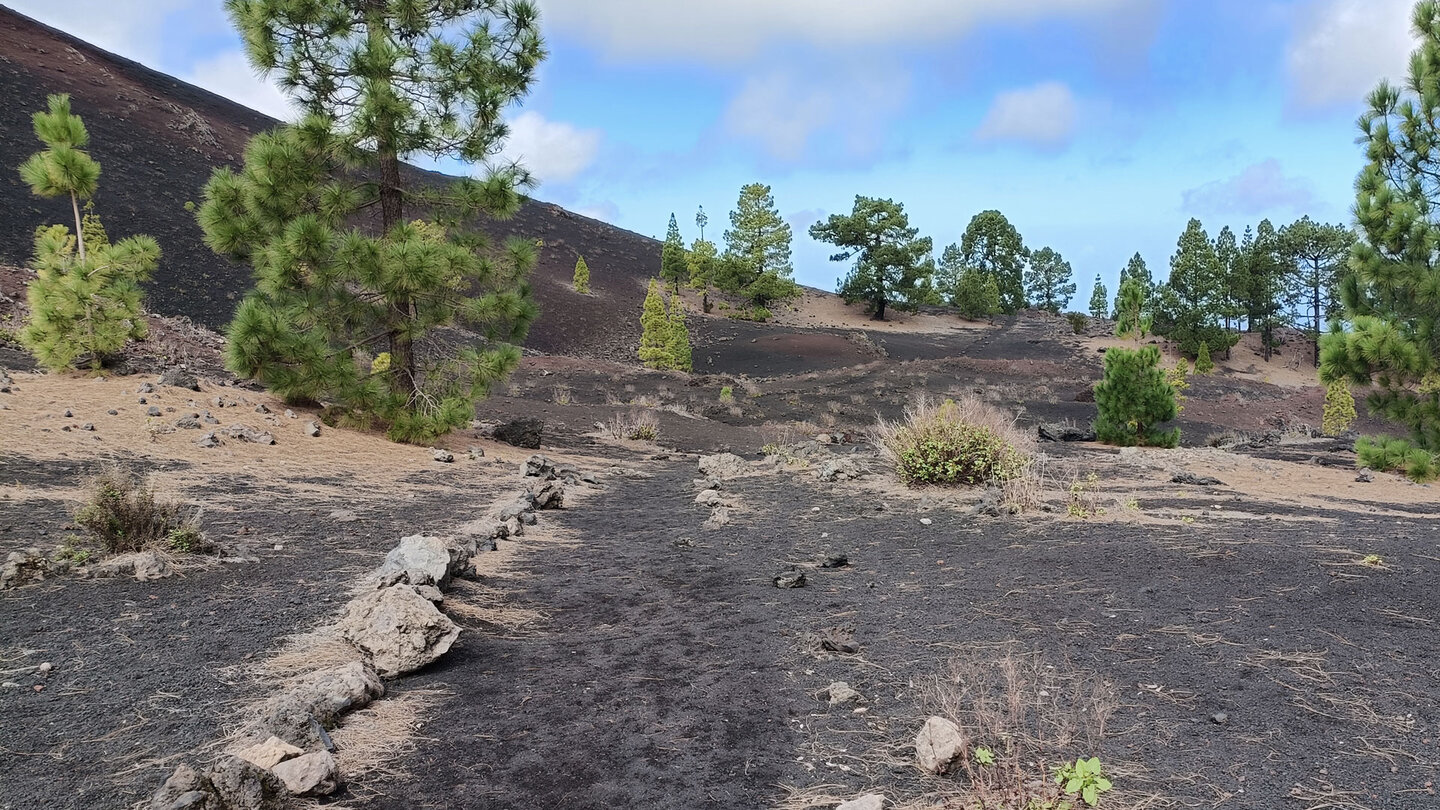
(158,139)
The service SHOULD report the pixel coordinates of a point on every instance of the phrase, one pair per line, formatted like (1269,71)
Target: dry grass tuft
(635,426)
(303,653)
(963,440)
(379,738)
(478,605)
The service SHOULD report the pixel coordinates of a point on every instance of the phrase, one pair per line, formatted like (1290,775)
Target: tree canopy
(757,249)
(1049,281)
(991,244)
(892,263)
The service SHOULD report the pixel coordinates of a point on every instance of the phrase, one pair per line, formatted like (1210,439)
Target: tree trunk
(705,300)
(880,310)
(392,214)
(1315,301)
(79,236)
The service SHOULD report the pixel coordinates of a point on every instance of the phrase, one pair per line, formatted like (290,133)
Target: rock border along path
(283,748)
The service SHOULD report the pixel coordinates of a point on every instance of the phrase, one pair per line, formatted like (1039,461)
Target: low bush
(1397,455)
(1339,408)
(1134,399)
(1079,321)
(636,426)
(125,514)
(966,442)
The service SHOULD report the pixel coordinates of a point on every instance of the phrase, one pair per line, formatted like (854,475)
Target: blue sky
(1099,127)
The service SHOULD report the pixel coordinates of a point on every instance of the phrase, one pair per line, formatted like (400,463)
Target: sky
(1098,127)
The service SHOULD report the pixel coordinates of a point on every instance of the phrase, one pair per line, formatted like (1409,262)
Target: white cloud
(1259,189)
(230,75)
(554,151)
(827,114)
(735,29)
(1341,48)
(1043,116)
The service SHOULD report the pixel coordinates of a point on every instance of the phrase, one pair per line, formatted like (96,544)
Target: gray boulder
(1064,433)
(938,745)
(312,774)
(239,785)
(178,377)
(840,469)
(525,433)
(1196,480)
(399,629)
(442,456)
(324,695)
(549,495)
(421,560)
(840,693)
(723,466)
(185,789)
(23,567)
(245,433)
(873,801)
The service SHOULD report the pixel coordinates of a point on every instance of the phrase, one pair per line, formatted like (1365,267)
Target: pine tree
(1339,412)
(703,260)
(991,244)
(582,276)
(655,329)
(1130,308)
(701,220)
(1318,254)
(1099,300)
(1136,269)
(1203,363)
(1049,282)
(977,295)
(673,267)
(1188,307)
(85,301)
(1390,296)
(1133,399)
(379,82)
(1228,271)
(678,344)
(948,271)
(1267,270)
(757,249)
(891,260)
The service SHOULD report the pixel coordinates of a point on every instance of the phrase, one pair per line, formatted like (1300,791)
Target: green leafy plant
(581,280)
(1177,377)
(1079,321)
(955,443)
(1397,455)
(727,394)
(1085,778)
(1084,497)
(1373,560)
(984,756)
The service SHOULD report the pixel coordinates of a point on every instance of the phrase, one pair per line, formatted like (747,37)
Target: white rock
(420,560)
(709,497)
(937,745)
(874,801)
(401,630)
(313,774)
(270,753)
(724,465)
(841,693)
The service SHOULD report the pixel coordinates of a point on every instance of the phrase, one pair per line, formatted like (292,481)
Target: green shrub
(1203,363)
(727,394)
(1397,455)
(124,514)
(582,276)
(966,443)
(1134,398)
(1339,408)
(1079,321)
(756,313)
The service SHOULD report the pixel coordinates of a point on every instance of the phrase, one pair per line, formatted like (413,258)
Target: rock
(843,469)
(324,695)
(476,452)
(835,561)
(312,429)
(550,495)
(793,578)
(269,753)
(537,466)
(524,433)
(152,411)
(442,456)
(245,433)
(262,408)
(145,566)
(191,422)
(312,774)
(241,786)
(926,521)
(723,466)
(178,377)
(991,503)
(89,426)
(145,388)
(937,745)
(289,414)
(23,567)
(423,560)
(840,694)
(208,440)
(709,498)
(1196,480)
(1064,433)
(873,801)
(401,630)
(1364,478)
(1219,718)
(185,789)
(720,516)
(113,412)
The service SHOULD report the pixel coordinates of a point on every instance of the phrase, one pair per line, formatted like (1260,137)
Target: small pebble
(46,667)
(87,426)
(142,400)
(926,521)
(1219,718)
(152,411)
(112,412)
(68,414)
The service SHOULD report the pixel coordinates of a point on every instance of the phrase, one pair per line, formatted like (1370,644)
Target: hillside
(158,139)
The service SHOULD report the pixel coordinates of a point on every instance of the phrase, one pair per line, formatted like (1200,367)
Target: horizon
(1091,124)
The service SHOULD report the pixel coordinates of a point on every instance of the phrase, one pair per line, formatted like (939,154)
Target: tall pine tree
(85,299)
(379,82)
(1391,295)
(892,263)
(1049,281)
(673,267)
(992,245)
(1099,299)
(1136,269)
(1318,254)
(757,249)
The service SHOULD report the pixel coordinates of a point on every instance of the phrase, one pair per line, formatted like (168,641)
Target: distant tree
(703,261)
(1318,254)
(1134,399)
(1049,281)
(757,249)
(992,244)
(1187,310)
(673,267)
(1137,270)
(1203,363)
(379,82)
(1387,336)
(948,271)
(678,344)
(977,295)
(1130,308)
(891,260)
(85,301)
(701,220)
(656,330)
(1099,300)
(1228,274)
(1266,271)
(582,276)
